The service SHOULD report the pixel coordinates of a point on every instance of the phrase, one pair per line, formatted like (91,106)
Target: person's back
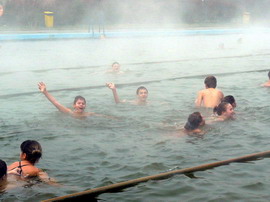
(209,97)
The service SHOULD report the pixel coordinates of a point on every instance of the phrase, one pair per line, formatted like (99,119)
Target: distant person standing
(267,84)
(209,97)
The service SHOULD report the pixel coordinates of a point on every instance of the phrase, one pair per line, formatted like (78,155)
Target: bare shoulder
(13,165)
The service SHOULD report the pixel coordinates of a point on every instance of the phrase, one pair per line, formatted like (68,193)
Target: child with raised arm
(142,94)
(31,152)
(267,84)
(79,104)
(209,97)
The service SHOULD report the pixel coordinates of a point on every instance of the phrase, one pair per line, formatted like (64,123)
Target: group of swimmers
(210,97)
(31,151)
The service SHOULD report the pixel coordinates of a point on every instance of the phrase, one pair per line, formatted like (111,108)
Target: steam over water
(84,154)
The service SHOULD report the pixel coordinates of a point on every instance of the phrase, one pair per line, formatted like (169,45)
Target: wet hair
(3,168)
(210,82)
(32,149)
(194,121)
(269,74)
(229,98)
(79,98)
(141,88)
(222,107)
(115,63)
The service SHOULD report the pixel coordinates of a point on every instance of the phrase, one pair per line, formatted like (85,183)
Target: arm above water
(115,95)
(199,99)
(61,108)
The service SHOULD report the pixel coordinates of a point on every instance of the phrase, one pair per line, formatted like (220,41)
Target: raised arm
(61,108)
(115,95)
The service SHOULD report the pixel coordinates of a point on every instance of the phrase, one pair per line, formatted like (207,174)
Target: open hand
(111,86)
(42,87)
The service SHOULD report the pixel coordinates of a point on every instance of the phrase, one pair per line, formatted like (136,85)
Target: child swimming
(209,97)
(194,123)
(224,111)
(230,99)
(79,104)
(115,68)
(31,152)
(142,94)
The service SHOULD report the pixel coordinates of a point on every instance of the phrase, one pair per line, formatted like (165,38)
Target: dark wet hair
(32,149)
(3,168)
(79,98)
(269,74)
(229,98)
(220,108)
(141,88)
(194,121)
(115,63)
(210,82)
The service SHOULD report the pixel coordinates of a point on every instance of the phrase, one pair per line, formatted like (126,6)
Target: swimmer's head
(79,103)
(31,151)
(230,99)
(210,82)
(3,169)
(194,121)
(142,93)
(115,66)
(224,109)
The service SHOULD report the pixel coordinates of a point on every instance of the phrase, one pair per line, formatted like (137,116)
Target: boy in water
(115,68)
(142,94)
(267,84)
(209,97)
(79,104)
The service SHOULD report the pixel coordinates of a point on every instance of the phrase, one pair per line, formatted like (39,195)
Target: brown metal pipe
(121,185)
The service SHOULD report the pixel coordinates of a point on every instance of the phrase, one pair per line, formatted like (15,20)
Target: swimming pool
(97,151)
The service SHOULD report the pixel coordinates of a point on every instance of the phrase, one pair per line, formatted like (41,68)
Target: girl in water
(31,152)
(224,111)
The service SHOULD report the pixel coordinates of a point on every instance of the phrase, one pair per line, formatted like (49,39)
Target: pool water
(84,154)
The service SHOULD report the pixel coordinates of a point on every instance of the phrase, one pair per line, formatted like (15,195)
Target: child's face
(79,106)
(229,111)
(116,67)
(142,94)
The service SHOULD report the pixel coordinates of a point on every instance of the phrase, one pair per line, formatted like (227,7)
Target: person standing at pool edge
(209,97)
(267,84)
(142,94)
